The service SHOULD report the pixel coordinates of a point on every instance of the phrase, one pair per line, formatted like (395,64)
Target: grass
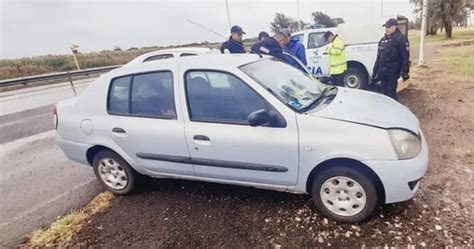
(455,55)
(60,233)
(459,34)
(459,60)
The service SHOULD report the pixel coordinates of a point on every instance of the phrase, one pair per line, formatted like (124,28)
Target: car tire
(355,78)
(344,194)
(114,173)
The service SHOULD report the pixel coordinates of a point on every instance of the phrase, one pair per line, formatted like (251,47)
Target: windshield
(288,84)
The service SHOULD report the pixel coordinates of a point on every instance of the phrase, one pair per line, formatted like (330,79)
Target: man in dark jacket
(269,46)
(393,59)
(234,45)
(292,46)
(257,44)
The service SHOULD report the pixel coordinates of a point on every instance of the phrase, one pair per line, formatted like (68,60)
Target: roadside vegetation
(13,68)
(60,233)
(460,34)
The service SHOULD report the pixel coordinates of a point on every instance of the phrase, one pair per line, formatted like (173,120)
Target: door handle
(118,130)
(201,138)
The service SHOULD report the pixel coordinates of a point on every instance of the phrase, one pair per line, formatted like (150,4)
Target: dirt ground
(175,213)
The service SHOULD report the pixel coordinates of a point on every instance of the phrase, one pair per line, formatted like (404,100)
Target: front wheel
(114,173)
(344,194)
(355,78)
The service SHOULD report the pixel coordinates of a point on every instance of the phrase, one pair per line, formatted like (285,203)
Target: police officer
(234,45)
(257,44)
(393,58)
(337,58)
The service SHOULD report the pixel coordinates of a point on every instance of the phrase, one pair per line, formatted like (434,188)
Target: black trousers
(337,79)
(389,84)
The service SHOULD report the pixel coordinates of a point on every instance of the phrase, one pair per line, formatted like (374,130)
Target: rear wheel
(114,173)
(344,194)
(355,78)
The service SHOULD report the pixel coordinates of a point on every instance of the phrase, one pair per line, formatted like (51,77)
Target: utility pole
(424,20)
(74,49)
(228,13)
(381,8)
(298,9)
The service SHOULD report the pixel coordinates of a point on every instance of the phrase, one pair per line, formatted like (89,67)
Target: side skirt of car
(213,162)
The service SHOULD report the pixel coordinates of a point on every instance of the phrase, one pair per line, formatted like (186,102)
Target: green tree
(337,21)
(323,19)
(280,21)
(444,13)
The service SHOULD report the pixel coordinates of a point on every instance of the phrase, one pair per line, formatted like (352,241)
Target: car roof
(195,50)
(185,49)
(208,61)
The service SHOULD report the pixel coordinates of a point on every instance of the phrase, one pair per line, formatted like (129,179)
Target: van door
(318,60)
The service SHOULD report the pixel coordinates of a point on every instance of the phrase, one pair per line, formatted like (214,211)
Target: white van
(361,48)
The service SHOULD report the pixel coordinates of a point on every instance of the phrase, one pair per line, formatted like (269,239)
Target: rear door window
(143,95)
(152,95)
(119,95)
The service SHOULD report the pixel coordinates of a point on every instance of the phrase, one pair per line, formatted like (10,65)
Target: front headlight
(406,144)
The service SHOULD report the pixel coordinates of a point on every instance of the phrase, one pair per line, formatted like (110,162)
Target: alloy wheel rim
(343,196)
(112,174)
(353,81)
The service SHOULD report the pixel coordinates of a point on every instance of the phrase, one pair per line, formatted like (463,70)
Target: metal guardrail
(53,76)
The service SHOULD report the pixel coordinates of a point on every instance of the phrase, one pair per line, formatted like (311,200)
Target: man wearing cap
(337,58)
(256,46)
(292,46)
(234,45)
(393,59)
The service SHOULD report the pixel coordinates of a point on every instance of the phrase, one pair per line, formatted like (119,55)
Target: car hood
(369,108)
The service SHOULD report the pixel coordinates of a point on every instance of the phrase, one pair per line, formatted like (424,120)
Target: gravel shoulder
(176,213)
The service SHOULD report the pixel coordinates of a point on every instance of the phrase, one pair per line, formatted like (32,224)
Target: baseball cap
(390,22)
(237,29)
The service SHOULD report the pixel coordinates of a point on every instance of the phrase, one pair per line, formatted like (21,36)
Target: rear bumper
(73,150)
(400,178)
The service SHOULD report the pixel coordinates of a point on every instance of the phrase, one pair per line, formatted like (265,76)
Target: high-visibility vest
(337,56)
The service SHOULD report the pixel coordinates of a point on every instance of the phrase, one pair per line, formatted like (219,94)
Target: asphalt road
(37,182)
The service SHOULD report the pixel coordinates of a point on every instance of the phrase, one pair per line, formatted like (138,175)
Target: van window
(158,57)
(316,40)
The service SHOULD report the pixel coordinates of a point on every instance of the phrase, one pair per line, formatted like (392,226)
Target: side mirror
(260,117)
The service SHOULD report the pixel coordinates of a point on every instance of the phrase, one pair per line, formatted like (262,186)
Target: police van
(361,49)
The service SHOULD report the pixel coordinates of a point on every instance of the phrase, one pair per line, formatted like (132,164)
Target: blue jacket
(233,46)
(297,49)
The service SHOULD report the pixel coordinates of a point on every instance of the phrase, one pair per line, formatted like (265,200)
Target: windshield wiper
(319,99)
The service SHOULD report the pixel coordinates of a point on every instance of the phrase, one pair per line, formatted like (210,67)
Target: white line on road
(27,118)
(14,145)
(41,205)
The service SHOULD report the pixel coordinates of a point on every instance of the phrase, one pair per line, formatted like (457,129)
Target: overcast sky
(40,27)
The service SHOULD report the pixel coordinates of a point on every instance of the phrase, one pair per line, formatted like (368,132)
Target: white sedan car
(172,53)
(245,120)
